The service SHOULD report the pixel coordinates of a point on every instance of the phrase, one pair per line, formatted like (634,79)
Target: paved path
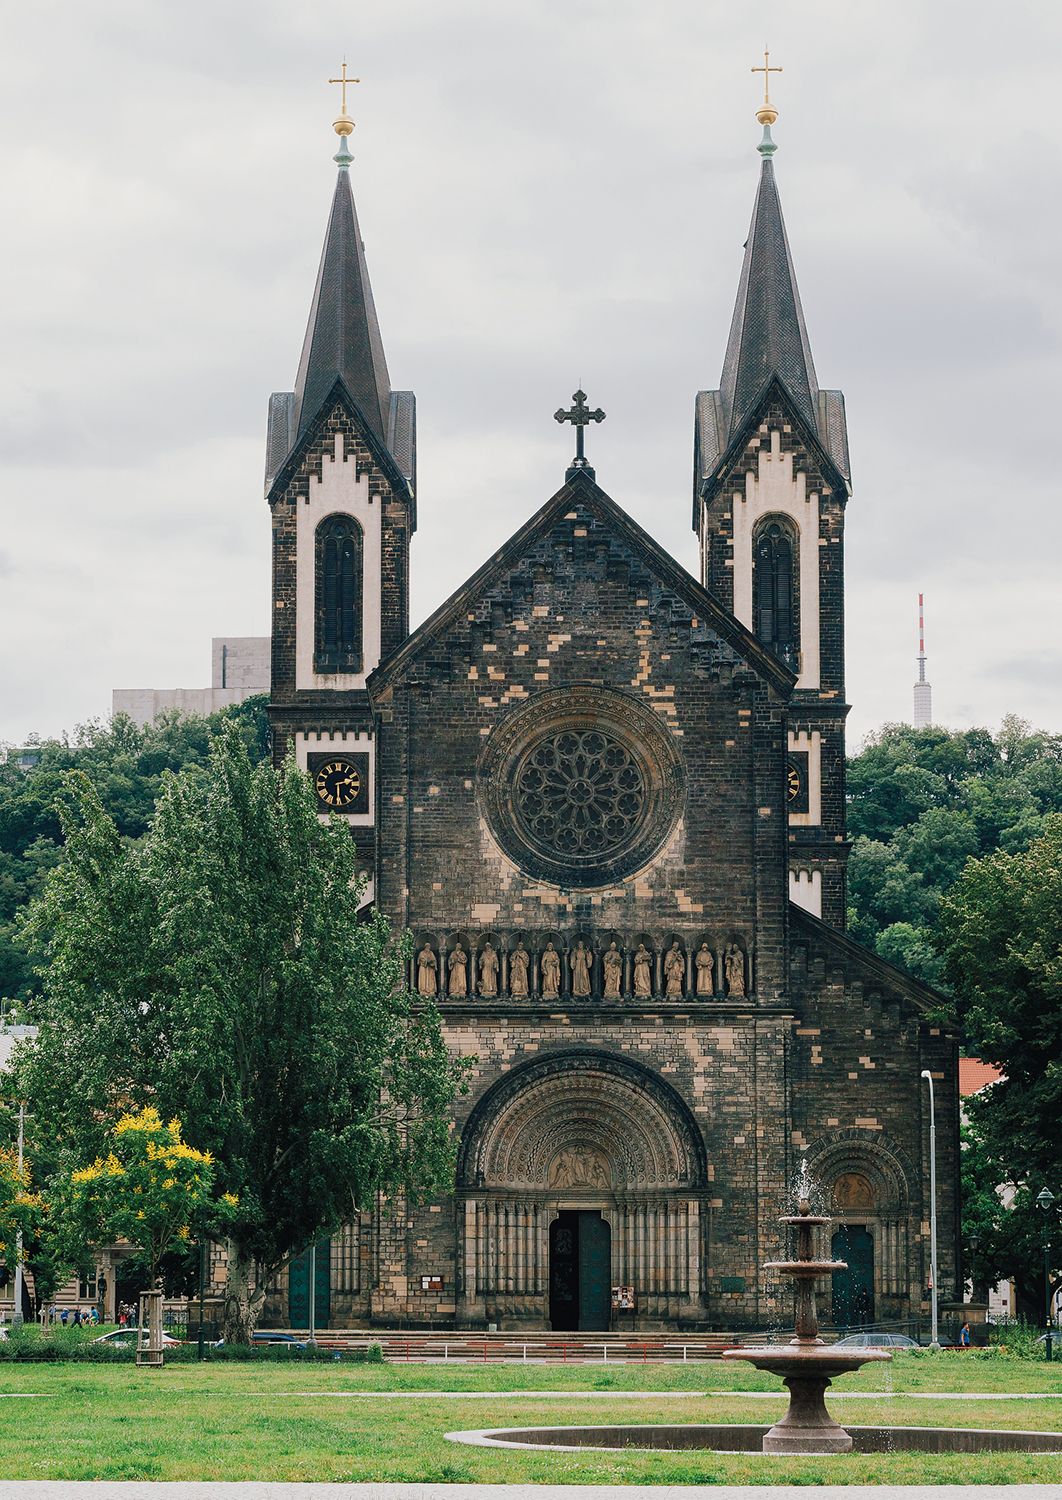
(619,1395)
(603,1395)
(137,1490)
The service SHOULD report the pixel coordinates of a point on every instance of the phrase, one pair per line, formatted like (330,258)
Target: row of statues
(486,972)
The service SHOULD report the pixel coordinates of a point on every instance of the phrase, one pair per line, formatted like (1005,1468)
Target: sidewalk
(48,1489)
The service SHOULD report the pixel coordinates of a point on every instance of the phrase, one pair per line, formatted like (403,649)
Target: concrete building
(239,668)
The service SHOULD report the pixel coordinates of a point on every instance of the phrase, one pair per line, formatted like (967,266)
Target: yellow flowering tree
(151,1189)
(21,1209)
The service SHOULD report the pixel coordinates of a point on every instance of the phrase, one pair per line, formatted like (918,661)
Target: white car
(121,1337)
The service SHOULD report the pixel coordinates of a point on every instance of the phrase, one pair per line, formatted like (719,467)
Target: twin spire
(768,336)
(343,347)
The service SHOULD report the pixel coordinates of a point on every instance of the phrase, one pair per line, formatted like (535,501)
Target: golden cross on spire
(344,125)
(766,70)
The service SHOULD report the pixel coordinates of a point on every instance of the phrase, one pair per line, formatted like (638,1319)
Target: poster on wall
(623,1299)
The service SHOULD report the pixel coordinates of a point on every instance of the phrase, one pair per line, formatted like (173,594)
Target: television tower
(923,692)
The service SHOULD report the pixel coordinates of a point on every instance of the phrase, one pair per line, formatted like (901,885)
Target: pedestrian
(64,1315)
(964,1336)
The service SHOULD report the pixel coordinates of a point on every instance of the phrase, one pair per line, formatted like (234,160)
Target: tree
(1001,929)
(152,1190)
(125,763)
(924,801)
(20,1209)
(221,970)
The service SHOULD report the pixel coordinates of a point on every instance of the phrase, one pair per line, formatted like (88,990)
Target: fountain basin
(736,1437)
(807,1367)
(806,1268)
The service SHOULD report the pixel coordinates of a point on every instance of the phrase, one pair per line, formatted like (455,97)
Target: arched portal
(609,1150)
(866,1186)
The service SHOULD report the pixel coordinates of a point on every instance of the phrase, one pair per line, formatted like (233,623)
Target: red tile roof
(974,1075)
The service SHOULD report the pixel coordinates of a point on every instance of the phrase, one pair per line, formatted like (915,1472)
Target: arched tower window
(337,643)
(774,592)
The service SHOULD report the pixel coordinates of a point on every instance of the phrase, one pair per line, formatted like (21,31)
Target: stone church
(606,798)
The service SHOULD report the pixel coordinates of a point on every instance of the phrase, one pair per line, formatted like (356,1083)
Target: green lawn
(274,1422)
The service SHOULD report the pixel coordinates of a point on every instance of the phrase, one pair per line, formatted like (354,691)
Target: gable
(715,459)
(612,555)
(339,410)
(830,949)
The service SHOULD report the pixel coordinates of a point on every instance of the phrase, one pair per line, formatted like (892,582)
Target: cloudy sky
(550,194)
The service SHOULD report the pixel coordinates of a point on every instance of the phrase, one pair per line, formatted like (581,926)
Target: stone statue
(612,963)
(734,963)
(674,972)
(519,960)
(427,964)
(643,972)
(581,960)
(551,973)
(457,965)
(705,962)
(488,971)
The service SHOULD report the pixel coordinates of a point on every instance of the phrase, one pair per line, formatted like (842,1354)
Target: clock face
(792,783)
(337,783)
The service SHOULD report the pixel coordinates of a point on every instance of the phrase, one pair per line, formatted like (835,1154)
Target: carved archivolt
(581,1120)
(859,1176)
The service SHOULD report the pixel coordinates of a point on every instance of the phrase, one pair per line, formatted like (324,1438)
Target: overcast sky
(549,194)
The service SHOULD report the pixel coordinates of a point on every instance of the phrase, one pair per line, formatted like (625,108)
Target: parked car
(876,1341)
(121,1338)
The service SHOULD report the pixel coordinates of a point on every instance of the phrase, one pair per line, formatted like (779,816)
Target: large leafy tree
(125,762)
(1001,929)
(221,970)
(924,801)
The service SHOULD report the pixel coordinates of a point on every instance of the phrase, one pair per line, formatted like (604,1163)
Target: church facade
(606,799)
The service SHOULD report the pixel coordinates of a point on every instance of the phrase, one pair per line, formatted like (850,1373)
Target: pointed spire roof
(343,334)
(768,335)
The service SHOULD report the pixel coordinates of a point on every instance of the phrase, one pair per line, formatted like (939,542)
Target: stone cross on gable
(579,415)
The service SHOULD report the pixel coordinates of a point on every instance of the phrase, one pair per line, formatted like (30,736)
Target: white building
(239,669)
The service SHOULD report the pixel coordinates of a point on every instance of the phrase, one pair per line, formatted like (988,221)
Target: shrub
(35,1345)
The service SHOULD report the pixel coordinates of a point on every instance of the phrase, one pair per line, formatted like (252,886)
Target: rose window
(581,786)
(579,793)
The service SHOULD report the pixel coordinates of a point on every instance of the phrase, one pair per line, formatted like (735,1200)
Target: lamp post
(1045,1202)
(313,1294)
(16,1316)
(934,1342)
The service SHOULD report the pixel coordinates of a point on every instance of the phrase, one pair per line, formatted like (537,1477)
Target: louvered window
(774,595)
(337,645)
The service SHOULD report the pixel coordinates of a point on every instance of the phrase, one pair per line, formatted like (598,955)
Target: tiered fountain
(806,1364)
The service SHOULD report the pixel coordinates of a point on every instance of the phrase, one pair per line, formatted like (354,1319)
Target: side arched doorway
(579,1173)
(866,1186)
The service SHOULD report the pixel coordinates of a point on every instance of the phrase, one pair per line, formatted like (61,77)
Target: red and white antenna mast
(923,692)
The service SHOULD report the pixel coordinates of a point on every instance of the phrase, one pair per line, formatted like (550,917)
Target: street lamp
(934,1342)
(1045,1201)
(16,1315)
